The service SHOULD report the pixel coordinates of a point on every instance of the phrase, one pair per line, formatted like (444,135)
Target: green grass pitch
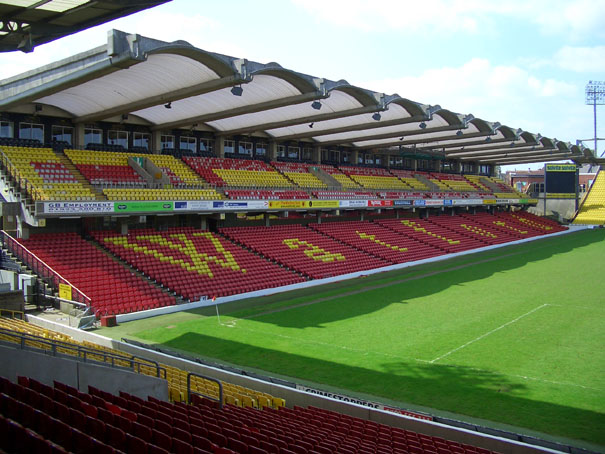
(513,336)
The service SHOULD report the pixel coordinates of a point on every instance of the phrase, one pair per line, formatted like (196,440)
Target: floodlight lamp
(311,125)
(316,105)
(376,116)
(422,125)
(237,90)
(459,132)
(488,139)
(168,105)
(401,138)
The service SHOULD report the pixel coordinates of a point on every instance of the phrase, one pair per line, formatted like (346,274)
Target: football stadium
(206,254)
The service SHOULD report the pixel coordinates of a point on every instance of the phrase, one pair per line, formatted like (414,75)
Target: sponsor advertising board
(362,402)
(77,207)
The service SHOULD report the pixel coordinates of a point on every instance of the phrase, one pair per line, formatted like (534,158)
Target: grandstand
(592,211)
(220,184)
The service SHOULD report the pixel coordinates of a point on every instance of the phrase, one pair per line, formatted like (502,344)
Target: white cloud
(507,94)
(581,59)
(571,18)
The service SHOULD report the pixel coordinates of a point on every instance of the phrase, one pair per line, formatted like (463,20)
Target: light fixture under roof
(422,125)
(168,105)
(311,125)
(488,139)
(237,90)
(376,116)
(316,105)
(459,132)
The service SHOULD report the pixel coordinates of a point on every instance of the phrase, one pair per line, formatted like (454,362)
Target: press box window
(31,131)
(62,134)
(92,135)
(117,138)
(188,143)
(140,139)
(6,129)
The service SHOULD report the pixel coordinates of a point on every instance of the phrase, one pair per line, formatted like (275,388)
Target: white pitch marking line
(488,333)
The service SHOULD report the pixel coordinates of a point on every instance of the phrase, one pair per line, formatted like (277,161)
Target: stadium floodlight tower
(595,95)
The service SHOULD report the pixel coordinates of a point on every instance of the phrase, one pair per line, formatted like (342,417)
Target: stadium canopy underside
(166,86)
(25,24)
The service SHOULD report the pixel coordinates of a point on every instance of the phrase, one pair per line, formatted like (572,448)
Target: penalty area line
(488,333)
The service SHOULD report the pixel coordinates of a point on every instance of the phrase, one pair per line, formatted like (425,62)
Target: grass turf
(513,336)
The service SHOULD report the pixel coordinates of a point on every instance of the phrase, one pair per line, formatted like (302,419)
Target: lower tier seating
(433,235)
(304,250)
(378,241)
(112,288)
(195,263)
(35,417)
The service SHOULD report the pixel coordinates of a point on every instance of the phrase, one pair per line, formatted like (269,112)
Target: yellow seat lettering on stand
(478,231)
(314,252)
(532,223)
(418,228)
(199,260)
(365,236)
(503,224)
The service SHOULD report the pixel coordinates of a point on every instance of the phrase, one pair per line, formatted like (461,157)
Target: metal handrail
(205,377)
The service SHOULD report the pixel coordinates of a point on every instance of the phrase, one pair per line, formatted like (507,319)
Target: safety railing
(205,377)
(56,347)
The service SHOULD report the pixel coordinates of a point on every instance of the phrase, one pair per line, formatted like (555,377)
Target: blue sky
(522,63)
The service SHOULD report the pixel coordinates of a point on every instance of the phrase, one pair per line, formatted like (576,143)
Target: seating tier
(47,175)
(195,263)
(592,211)
(304,250)
(378,241)
(112,288)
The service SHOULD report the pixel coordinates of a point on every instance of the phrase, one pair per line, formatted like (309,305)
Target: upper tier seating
(112,288)
(47,175)
(475,180)
(343,195)
(161,194)
(452,182)
(179,174)
(592,211)
(195,263)
(374,178)
(259,194)
(299,174)
(176,378)
(237,172)
(434,235)
(303,250)
(60,419)
(342,179)
(378,241)
(408,177)
(105,169)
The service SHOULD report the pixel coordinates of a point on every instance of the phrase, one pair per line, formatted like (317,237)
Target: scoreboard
(561,181)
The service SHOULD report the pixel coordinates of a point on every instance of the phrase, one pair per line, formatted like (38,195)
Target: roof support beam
(392,135)
(360,127)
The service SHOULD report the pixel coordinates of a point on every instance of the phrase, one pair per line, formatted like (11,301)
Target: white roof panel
(160,73)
